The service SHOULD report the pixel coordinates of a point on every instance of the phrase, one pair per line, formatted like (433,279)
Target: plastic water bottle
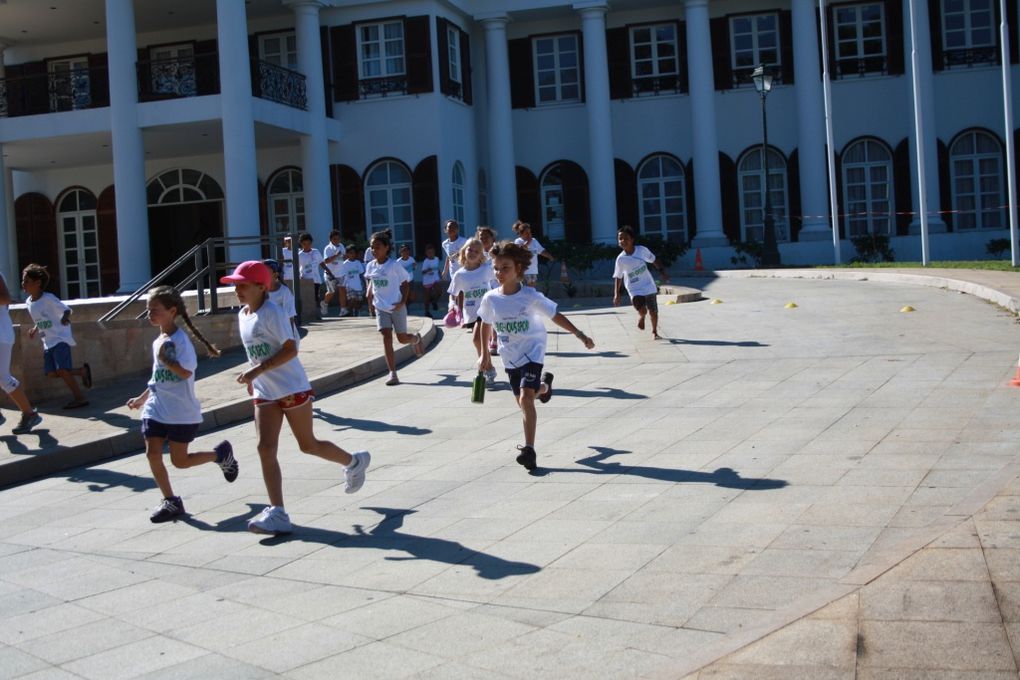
(169,352)
(478,389)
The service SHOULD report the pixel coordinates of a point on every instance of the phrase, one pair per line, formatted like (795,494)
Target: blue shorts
(529,375)
(182,434)
(57,358)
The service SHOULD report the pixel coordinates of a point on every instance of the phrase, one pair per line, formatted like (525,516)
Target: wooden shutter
(938,55)
(465,68)
(626,194)
(36,84)
(576,208)
(904,197)
(106,222)
(99,80)
(522,74)
(786,46)
(207,67)
(580,65)
(529,202)
(443,50)
(681,48)
(15,91)
(837,219)
(618,52)
(36,226)
(1011,21)
(945,186)
(143,72)
(722,68)
(830,37)
(418,54)
(268,248)
(425,183)
(349,200)
(344,46)
(692,214)
(894,44)
(729,192)
(796,218)
(327,69)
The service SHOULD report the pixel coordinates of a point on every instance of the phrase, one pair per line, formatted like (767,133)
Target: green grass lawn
(990,265)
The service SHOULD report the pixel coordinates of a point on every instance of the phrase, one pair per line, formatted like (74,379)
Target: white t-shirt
(6,327)
(288,264)
(331,250)
(408,265)
(284,299)
(351,272)
(263,333)
(451,248)
(535,247)
(517,319)
(474,283)
(633,269)
(310,262)
(429,271)
(172,400)
(386,279)
(47,312)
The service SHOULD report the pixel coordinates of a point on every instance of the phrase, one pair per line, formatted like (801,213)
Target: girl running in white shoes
(170,411)
(280,389)
(515,311)
(430,280)
(472,281)
(390,286)
(524,238)
(632,269)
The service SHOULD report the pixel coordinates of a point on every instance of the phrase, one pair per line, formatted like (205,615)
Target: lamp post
(762,79)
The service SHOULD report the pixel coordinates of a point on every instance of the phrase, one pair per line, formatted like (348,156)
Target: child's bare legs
(154,452)
(300,421)
(181,459)
(70,379)
(387,341)
(526,401)
(268,421)
(478,339)
(641,318)
(654,314)
(20,399)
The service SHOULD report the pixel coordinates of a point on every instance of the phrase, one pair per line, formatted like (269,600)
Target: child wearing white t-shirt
(632,269)
(390,287)
(524,238)
(470,283)
(351,272)
(282,297)
(8,383)
(333,256)
(312,265)
(170,410)
(410,265)
(280,389)
(53,320)
(451,247)
(516,312)
(429,280)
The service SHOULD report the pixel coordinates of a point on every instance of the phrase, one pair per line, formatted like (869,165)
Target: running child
(632,269)
(367,259)
(470,283)
(451,246)
(487,235)
(333,256)
(390,287)
(351,272)
(516,311)
(281,295)
(524,238)
(280,389)
(170,410)
(429,280)
(409,264)
(53,319)
(29,416)
(312,265)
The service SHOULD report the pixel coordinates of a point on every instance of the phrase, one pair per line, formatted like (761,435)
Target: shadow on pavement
(368,425)
(612,354)
(47,442)
(101,480)
(724,477)
(610,392)
(716,343)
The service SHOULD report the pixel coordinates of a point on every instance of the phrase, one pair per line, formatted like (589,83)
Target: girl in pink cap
(280,389)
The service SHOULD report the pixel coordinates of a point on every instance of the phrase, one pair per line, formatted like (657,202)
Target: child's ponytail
(170,297)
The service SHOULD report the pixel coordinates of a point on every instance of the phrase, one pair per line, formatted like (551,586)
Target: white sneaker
(272,520)
(344,312)
(354,474)
(324,307)
(394,380)
(490,377)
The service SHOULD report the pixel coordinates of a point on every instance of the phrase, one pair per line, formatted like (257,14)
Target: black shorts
(528,375)
(645,302)
(470,324)
(182,434)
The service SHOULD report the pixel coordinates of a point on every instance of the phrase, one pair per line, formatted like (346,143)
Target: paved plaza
(824,491)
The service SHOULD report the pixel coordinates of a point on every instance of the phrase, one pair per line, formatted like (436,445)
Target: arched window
(458,192)
(553,212)
(867,186)
(388,193)
(663,206)
(286,193)
(975,162)
(483,198)
(182,186)
(79,244)
(750,174)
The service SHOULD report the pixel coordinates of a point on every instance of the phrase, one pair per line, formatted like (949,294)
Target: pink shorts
(290,401)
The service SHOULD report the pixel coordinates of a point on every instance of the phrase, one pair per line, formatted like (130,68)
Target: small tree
(872,248)
(998,247)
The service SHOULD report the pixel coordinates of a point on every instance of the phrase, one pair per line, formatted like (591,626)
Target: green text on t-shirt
(261,350)
(508,327)
(165,375)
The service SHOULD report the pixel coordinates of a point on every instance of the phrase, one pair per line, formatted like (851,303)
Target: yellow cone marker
(790,305)
(715,301)
(908,308)
(671,302)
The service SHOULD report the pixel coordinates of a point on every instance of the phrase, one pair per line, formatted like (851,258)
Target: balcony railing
(860,67)
(278,84)
(975,56)
(650,85)
(174,78)
(380,87)
(71,90)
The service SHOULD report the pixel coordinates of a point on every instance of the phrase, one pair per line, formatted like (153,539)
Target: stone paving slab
(671,529)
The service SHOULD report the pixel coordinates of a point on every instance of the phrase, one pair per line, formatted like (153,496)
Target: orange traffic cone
(1015,382)
(698,266)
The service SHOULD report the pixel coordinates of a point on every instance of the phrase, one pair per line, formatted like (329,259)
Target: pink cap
(251,271)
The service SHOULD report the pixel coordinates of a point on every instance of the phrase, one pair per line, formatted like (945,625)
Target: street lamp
(762,79)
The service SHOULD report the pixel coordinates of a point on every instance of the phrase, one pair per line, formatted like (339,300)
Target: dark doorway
(176,228)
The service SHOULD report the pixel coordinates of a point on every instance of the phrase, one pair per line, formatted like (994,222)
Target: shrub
(747,253)
(998,247)
(872,248)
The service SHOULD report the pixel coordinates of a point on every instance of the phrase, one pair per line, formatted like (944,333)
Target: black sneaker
(27,422)
(527,457)
(547,378)
(168,510)
(86,376)
(225,459)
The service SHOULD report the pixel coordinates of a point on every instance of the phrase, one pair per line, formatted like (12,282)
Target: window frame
(654,59)
(969,54)
(457,189)
(738,71)
(869,216)
(382,57)
(662,197)
(295,200)
(399,235)
(283,36)
(977,194)
(559,85)
(551,182)
(82,251)
(453,61)
(76,78)
(859,64)
(780,217)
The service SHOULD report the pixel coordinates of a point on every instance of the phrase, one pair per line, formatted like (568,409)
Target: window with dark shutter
(894,36)
(938,62)
(722,69)
(576,207)
(626,193)
(327,61)
(418,47)
(451,43)
(207,67)
(655,58)
(729,191)
(36,226)
(529,204)
(465,66)
(522,75)
(443,50)
(786,47)
(348,200)
(344,47)
(99,79)
(858,41)
(618,53)
(106,220)
(426,203)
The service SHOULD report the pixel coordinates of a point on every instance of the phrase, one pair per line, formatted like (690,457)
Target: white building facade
(131,130)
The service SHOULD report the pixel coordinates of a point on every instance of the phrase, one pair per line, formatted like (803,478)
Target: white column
(128,149)
(931,152)
(8,234)
(314,145)
(704,138)
(502,170)
(814,190)
(601,172)
(238,120)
